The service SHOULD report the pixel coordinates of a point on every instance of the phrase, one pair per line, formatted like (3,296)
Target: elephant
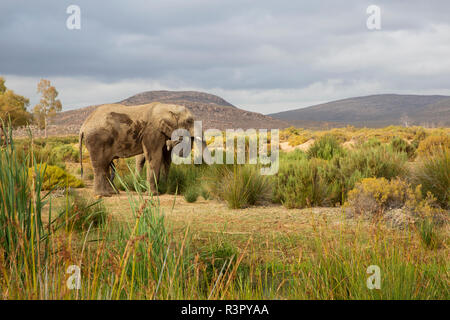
(115,131)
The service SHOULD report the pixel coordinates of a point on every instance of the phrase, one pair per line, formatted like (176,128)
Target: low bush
(80,214)
(327,147)
(182,176)
(429,232)
(205,194)
(434,144)
(370,143)
(301,184)
(63,153)
(191,194)
(433,174)
(342,173)
(55,177)
(218,257)
(51,151)
(295,140)
(131,182)
(239,185)
(294,155)
(399,145)
(374,196)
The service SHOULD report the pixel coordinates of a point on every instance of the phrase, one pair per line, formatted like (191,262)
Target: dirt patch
(212,216)
(284,146)
(350,144)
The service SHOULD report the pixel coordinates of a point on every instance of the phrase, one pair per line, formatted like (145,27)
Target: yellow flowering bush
(376,195)
(434,144)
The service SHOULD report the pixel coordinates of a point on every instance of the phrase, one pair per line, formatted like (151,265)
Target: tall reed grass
(144,259)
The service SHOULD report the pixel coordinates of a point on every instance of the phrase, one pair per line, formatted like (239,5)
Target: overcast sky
(263,56)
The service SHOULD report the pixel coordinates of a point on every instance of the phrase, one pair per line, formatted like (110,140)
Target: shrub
(381,197)
(191,194)
(433,173)
(342,173)
(63,153)
(294,155)
(296,140)
(55,177)
(375,196)
(325,148)
(182,176)
(131,182)
(399,145)
(51,151)
(301,184)
(80,214)
(371,143)
(434,144)
(216,255)
(429,233)
(205,194)
(238,185)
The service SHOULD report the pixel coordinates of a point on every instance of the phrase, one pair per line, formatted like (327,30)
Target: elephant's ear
(168,123)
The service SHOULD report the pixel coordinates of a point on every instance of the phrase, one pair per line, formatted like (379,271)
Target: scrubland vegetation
(387,193)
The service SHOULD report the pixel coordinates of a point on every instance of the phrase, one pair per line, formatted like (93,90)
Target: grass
(327,147)
(80,214)
(166,248)
(239,185)
(191,194)
(433,174)
(429,233)
(300,184)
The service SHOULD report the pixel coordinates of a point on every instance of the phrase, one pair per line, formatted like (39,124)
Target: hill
(214,111)
(374,111)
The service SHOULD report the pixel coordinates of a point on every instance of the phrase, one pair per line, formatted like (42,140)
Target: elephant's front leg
(153,168)
(102,185)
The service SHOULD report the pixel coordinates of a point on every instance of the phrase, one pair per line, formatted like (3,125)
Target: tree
(48,105)
(405,120)
(13,106)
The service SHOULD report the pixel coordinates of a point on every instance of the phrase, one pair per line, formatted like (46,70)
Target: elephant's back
(103,114)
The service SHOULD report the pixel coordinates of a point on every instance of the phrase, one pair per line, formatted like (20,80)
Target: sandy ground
(272,230)
(284,146)
(215,216)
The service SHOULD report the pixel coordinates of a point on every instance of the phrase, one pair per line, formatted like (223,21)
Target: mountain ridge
(214,111)
(375,111)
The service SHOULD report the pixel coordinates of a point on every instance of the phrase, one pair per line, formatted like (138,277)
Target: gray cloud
(265,56)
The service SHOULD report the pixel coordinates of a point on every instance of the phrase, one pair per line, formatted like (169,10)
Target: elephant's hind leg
(100,145)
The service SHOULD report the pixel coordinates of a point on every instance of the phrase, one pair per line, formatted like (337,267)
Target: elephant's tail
(80,142)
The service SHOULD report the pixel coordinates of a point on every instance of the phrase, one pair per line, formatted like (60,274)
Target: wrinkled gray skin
(166,159)
(115,131)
